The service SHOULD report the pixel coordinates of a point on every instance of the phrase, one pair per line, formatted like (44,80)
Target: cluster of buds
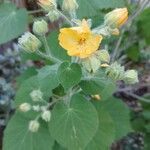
(45,113)
(34,124)
(112,22)
(95,61)
(29,42)
(116,18)
(117,72)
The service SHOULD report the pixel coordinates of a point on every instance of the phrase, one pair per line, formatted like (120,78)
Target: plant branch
(35,11)
(130,20)
(65,17)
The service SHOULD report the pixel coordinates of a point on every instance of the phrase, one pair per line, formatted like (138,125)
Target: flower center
(82,41)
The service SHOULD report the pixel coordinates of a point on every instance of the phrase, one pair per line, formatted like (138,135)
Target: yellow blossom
(79,41)
(117,17)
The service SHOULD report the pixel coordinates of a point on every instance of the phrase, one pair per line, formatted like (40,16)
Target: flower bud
(25,107)
(34,126)
(40,27)
(103,56)
(53,15)
(46,116)
(29,42)
(116,18)
(115,71)
(36,95)
(104,65)
(36,108)
(96,97)
(131,77)
(70,5)
(92,63)
(47,5)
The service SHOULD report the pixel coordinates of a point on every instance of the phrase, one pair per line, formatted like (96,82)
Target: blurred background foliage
(131,48)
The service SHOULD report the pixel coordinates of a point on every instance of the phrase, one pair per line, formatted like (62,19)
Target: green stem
(65,17)
(47,49)
(35,11)
(139,97)
(53,59)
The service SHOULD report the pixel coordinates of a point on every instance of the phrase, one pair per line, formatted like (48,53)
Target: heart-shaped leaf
(69,74)
(73,127)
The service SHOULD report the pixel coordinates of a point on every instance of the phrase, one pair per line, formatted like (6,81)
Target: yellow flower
(79,41)
(117,17)
(47,5)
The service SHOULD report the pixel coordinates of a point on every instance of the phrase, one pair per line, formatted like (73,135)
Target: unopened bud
(116,18)
(40,27)
(47,5)
(70,5)
(92,63)
(131,77)
(46,116)
(104,65)
(36,95)
(103,56)
(96,97)
(115,71)
(29,42)
(53,15)
(25,107)
(36,108)
(34,126)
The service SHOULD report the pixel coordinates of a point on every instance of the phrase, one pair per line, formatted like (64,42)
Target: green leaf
(88,8)
(98,84)
(56,50)
(147,142)
(144,24)
(133,52)
(27,74)
(120,115)
(13,22)
(73,127)
(146,114)
(105,134)
(58,147)
(18,137)
(46,81)
(69,74)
